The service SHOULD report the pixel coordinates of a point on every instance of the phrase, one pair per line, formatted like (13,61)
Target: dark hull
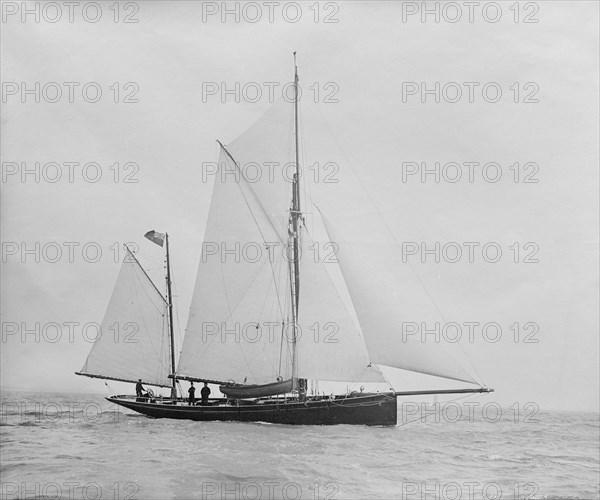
(368,409)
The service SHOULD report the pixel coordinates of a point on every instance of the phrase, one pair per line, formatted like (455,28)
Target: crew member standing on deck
(139,389)
(192,392)
(205,392)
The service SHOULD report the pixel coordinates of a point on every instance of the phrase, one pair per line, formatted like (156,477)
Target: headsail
(387,295)
(331,345)
(132,342)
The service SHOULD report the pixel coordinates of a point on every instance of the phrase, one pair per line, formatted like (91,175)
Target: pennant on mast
(154,237)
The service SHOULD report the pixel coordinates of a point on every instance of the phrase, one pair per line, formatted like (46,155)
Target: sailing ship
(267,319)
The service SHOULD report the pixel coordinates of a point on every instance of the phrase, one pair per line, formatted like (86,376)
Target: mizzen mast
(160,239)
(171,334)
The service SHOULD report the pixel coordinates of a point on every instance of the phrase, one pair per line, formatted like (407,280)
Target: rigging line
(354,322)
(271,264)
(176,296)
(357,378)
(223,281)
(243,296)
(248,362)
(307,191)
(396,241)
(142,316)
(266,299)
(258,354)
(179,336)
(480,378)
(231,312)
(156,307)
(145,273)
(284,320)
(250,209)
(391,386)
(217,200)
(281,312)
(281,347)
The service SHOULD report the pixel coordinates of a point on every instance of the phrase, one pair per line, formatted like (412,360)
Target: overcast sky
(365,71)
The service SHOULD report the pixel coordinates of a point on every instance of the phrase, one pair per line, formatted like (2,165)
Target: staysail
(132,342)
(330,345)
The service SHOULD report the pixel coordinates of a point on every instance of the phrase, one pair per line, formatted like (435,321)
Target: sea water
(78,446)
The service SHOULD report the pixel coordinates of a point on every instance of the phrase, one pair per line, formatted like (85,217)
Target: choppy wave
(85,443)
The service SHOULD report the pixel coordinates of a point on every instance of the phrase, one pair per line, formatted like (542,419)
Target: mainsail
(239,307)
(239,328)
(132,342)
(350,313)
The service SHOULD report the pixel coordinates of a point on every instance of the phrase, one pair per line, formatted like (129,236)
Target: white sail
(387,295)
(239,327)
(234,330)
(265,157)
(239,324)
(133,341)
(330,344)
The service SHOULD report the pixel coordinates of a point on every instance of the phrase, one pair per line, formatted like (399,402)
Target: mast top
(295,65)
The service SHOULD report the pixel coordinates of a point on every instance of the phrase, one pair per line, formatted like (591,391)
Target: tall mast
(296,135)
(171,336)
(295,216)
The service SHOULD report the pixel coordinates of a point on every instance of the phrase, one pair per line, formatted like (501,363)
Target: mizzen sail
(132,342)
